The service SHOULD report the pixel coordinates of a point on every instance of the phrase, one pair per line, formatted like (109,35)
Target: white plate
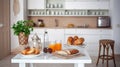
(74,46)
(68,56)
(30,55)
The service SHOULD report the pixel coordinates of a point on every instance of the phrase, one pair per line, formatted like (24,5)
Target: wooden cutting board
(68,56)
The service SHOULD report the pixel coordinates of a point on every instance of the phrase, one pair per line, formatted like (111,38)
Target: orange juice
(52,46)
(58,46)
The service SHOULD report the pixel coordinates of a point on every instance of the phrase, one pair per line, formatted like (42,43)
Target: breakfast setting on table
(54,48)
(55,51)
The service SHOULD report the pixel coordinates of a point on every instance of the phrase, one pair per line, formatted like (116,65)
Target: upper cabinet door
(92,4)
(104,4)
(36,4)
(81,5)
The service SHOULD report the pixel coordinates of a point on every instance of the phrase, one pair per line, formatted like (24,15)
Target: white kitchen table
(49,58)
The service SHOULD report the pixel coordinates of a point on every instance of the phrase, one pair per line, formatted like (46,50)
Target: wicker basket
(23,39)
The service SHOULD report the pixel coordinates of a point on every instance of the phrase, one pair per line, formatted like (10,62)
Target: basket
(23,39)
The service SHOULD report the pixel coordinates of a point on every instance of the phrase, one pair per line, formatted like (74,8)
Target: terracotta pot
(23,39)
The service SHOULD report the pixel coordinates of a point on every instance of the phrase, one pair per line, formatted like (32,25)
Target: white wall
(20,16)
(115,14)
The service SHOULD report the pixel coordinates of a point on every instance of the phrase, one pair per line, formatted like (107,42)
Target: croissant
(31,51)
(70,40)
(79,41)
(75,38)
(28,51)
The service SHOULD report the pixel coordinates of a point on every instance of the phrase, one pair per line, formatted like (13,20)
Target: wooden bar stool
(105,44)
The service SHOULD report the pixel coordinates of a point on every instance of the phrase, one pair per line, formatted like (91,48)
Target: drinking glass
(52,46)
(58,45)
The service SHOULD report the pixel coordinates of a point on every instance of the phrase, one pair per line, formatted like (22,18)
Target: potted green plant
(22,29)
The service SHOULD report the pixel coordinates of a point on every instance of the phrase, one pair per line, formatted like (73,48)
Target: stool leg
(114,62)
(113,57)
(103,54)
(98,55)
(107,55)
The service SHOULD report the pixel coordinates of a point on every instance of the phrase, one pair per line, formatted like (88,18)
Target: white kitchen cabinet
(92,49)
(90,35)
(106,34)
(91,38)
(56,34)
(81,5)
(70,31)
(106,31)
(59,34)
(87,5)
(51,34)
(94,35)
(36,4)
(104,5)
(87,31)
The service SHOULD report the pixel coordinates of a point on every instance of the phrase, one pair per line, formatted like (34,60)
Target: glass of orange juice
(52,46)
(58,45)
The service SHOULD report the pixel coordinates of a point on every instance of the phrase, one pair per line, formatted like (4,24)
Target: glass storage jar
(36,42)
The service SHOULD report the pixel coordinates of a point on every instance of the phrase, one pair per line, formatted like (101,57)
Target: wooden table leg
(22,65)
(79,65)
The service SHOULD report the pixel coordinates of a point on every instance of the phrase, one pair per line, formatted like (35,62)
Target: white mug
(97,12)
(84,13)
(47,12)
(80,13)
(51,5)
(66,13)
(59,5)
(52,12)
(101,13)
(93,12)
(70,13)
(48,5)
(32,12)
(55,6)
(57,13)
(42,13)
